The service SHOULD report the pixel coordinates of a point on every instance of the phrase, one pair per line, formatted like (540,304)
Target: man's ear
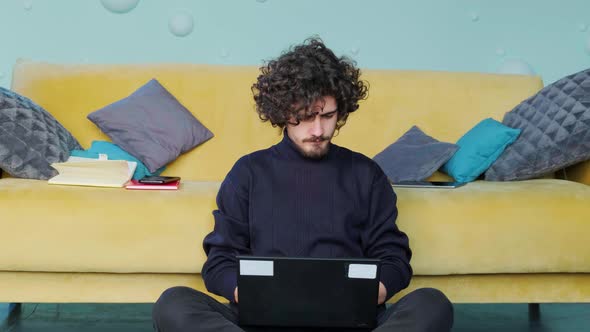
(342,117)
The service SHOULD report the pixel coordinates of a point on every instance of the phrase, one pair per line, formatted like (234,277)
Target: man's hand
(236,294)
(380,299)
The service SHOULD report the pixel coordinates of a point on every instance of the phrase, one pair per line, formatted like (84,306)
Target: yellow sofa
(485,242)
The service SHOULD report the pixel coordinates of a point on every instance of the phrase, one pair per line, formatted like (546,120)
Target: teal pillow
(478,149)
(114,152)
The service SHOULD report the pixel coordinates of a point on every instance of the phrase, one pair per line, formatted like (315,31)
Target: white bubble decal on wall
(355,50)
(474,17)
(516,66)
(28,4)
(582,27)
(261,1)
(181,24)
(119,6)
(500,52)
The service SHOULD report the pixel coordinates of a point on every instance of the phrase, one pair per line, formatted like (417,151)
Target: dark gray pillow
(151,125)
(414,157)
(555,126)
(31,138)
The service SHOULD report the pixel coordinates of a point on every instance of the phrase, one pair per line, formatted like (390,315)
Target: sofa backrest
(443,104)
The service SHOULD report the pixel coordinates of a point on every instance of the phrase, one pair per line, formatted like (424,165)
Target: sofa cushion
(483,227)
(532,226)
(30,138)
(478,149)
(414,157)
(151,125)
(555,127)
(88,229)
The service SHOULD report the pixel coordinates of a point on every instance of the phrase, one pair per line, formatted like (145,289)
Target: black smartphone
(158,179)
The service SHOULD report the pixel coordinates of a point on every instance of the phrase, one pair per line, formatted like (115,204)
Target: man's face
(313,134)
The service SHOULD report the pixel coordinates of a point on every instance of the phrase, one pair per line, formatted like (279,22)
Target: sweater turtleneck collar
(288,148)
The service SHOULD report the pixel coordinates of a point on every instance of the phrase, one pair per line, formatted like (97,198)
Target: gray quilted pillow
(555,127)
(30,138)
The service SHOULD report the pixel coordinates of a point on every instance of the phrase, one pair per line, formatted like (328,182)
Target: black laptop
(308,292)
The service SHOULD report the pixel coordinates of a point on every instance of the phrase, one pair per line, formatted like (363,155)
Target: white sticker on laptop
(362,271)
(256,268)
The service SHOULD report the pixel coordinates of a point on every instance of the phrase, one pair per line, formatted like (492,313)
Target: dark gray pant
(182,309)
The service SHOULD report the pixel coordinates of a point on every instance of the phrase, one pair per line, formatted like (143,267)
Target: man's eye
(328,116)
(308,117)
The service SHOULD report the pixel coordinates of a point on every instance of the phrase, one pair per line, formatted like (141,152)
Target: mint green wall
(550,38)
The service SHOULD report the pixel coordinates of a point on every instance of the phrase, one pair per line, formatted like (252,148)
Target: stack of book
(77,171)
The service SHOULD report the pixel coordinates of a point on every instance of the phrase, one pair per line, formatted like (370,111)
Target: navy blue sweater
(275,202)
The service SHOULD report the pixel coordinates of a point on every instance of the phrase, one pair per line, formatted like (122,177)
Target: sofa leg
(534,311)
(9,312)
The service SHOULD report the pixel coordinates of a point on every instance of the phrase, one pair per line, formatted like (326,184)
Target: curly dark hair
(290,84)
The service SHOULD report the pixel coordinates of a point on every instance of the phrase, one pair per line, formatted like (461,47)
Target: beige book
(93,172)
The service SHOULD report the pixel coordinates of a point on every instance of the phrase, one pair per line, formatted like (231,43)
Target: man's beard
(316,152)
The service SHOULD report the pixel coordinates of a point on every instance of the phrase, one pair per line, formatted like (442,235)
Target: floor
(136,318)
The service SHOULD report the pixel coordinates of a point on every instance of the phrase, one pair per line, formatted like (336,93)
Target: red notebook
(135,185)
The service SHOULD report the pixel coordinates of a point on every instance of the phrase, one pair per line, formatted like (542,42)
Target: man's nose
(317,129)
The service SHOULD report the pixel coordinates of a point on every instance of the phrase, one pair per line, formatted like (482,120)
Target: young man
(305,197)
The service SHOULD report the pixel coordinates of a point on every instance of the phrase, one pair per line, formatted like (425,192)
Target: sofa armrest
(579,172)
